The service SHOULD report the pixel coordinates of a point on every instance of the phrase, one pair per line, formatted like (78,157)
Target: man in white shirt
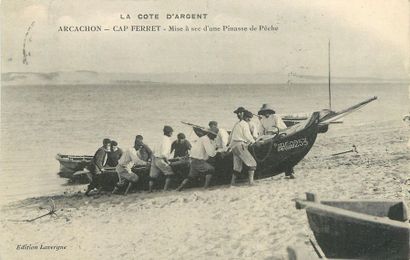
(239,140)
(221,140)
(128,159)
(160,164)
(270,123)
(201,151)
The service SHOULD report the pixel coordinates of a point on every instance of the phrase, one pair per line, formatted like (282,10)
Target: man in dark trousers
(96,166)
(114,155)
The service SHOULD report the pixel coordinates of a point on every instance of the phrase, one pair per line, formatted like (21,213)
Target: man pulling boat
(201,151)
(160,164)
(128,159)
(221,140)
(239,140)
(97,164)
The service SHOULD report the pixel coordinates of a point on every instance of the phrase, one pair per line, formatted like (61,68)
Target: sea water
(37,122)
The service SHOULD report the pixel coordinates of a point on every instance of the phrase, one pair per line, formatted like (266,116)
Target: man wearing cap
(201,151)
(269,121)
(160,163)
(221,140)
(124,167)
(239,140)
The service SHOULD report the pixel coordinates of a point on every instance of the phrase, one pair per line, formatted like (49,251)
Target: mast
(330,90)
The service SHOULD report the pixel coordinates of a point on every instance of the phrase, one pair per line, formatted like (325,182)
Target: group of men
(214,141)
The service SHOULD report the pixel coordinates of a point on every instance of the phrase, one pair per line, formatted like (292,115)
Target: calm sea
(37,122)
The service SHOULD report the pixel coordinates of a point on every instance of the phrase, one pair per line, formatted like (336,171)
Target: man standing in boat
(239,140)
(201,151)
(160,163)
(97,164)
(128,159)
(270,123)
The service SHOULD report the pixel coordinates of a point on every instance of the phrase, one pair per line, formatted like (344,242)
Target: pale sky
(368,38)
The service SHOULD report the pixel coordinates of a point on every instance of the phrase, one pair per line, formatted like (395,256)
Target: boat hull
(283,153)
(69,164)
(275,156)
(360,229)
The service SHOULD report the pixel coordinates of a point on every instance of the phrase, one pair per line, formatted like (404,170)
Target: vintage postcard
(205,129)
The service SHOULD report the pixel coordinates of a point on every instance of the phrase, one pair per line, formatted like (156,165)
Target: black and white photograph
(153,129)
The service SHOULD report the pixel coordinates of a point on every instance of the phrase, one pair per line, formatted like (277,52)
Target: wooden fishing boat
(359,229)
(274,154)
(278,154)
(281,152)
(69,164)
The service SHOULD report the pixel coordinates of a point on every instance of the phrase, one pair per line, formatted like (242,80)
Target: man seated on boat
(160,164)
(239,140)
(270,123)
(114,155)
(128,159)
(181,146)
(221,140)
(97,165)
(202,150)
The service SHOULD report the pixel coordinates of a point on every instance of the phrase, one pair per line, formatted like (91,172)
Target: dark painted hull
(282,154)
(276,156)
(279,154)
(360,229)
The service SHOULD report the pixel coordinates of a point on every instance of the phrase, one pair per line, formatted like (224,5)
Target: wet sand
(245,222)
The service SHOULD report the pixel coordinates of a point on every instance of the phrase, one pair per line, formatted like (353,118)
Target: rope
(267,154)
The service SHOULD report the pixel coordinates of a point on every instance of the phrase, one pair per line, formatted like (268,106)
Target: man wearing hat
(201,151)
(269,121)
(240,111)
(239,140)
(160,163)
(221,140)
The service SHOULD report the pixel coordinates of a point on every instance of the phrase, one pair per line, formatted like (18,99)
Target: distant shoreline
(3,84)
(82,77)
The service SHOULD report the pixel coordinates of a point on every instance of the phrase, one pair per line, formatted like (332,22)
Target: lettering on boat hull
(290,145)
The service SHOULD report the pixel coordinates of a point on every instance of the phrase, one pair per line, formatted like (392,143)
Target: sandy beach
(243,222)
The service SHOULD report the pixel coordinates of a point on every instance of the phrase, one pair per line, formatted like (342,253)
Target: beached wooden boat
(359,229)
(280,153)
(276,154)
(69,164)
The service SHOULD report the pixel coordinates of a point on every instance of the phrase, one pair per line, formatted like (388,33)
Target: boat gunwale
(318,208)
